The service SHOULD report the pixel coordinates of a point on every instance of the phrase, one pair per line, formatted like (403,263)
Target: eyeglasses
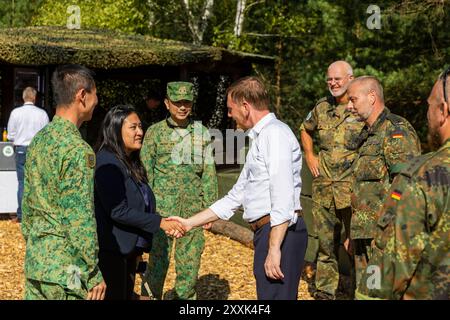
(330,80)
(444,80)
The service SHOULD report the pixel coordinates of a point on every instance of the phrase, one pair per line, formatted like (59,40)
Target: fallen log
(233,231)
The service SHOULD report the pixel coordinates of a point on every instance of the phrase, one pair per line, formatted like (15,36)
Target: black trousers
(119,274)
(293,251)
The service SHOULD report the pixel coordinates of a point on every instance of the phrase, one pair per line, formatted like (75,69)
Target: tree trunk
(198,26)
(278,64)
(239,17)
(233,231)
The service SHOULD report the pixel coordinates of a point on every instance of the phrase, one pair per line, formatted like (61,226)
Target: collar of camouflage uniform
(380,120)
(173,124)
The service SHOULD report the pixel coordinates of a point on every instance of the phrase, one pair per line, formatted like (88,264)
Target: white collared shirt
(24,122)
(270,181)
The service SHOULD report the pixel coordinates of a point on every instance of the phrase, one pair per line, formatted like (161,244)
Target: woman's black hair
(110,138)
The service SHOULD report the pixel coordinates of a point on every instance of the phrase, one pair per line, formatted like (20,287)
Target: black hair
(110,138)
(67,80)
(153,95)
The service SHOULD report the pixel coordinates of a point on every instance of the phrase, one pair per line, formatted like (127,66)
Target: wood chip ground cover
(225,273)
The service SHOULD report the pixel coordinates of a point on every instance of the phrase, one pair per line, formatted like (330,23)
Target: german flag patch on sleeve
(397,134)
(396,195)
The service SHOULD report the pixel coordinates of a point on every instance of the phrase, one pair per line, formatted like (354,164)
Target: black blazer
(120,207)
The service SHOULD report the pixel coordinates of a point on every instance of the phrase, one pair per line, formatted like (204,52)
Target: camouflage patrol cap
(180,90)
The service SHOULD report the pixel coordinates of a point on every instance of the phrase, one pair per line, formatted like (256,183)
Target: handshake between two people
(176,227)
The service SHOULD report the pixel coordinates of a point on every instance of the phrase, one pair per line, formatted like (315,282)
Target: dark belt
(255,225)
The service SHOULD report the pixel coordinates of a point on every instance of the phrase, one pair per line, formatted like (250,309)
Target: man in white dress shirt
(269,190)
(24,122)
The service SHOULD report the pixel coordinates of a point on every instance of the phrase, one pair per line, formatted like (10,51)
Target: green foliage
(130,16)
(17,13)
(406,54)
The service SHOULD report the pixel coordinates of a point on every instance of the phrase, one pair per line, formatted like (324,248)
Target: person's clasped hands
(173,228)
(180,226)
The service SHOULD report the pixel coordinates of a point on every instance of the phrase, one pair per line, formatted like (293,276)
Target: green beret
(180,90)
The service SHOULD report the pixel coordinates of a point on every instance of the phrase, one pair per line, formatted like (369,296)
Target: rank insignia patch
(90,160)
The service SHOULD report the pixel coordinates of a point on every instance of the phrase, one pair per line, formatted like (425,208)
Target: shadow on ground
(209,287)
(212,287)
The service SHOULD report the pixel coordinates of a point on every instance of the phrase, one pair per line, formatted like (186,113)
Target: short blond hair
(370,83)
(29,94)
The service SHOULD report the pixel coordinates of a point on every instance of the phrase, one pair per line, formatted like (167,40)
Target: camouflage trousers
(188,252)
(362,252)
(332,227)
(312,249)
(38,290)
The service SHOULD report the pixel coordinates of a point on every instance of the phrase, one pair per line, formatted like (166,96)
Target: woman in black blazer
(124,203)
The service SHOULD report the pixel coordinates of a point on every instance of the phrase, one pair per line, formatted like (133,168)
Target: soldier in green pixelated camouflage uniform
(177,155)
(338,131)
(385,145)
(58,223)
(411,251)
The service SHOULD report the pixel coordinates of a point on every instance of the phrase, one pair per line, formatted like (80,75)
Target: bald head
(339,74)
(368,84)
(342,66)
(438,114)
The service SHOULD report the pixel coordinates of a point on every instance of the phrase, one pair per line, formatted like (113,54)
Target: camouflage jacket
(338,129)
(58,209)
(411,252)
(180,167)
(384,148)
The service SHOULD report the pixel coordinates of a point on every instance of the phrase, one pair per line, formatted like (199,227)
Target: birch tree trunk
(239,17)
(198,26)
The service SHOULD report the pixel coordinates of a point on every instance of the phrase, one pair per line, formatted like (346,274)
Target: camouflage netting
(104,49)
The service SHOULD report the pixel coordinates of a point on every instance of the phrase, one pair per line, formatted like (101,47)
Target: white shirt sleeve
(225,207)
(45,120)
(278,158)
(12,126)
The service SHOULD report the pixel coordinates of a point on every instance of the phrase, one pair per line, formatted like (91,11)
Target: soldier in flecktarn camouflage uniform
(58,208)
(338,131)
(386,143)
(411,251)
(177,155)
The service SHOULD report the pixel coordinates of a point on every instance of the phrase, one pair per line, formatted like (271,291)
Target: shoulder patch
(397,133)
(90,160)
(437,176)
(396,195)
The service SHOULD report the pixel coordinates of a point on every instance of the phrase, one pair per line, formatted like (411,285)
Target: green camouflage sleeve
(401,145)
(399,243)
(25,225)
(77,205)
(148,154)
(209,177)
(310,122)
